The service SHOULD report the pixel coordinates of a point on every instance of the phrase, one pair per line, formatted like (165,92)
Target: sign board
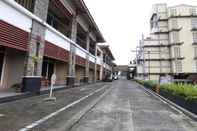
(53,79)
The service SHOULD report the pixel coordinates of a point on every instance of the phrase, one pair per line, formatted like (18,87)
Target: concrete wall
(186,49)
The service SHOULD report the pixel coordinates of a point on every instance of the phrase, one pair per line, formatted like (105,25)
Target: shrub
(150,84)
(140,82)
(187,91)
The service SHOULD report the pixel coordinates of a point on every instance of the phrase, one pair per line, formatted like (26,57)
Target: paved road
(120,106)
(129,108)
(18,114)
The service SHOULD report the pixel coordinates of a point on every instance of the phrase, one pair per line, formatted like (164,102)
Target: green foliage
(151,84)
(187,91)
(140,82)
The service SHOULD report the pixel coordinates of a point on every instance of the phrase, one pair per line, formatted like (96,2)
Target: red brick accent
(13,37)
(80,61)
(55,52)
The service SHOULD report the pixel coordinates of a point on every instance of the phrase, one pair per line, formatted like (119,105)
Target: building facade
(171,48)
(41,37)
(107,59)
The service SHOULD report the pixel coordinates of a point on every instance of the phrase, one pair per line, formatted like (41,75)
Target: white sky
(122,22)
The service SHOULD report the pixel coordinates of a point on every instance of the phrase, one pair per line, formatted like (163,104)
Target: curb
(27,95)
(42,92)
(171,104)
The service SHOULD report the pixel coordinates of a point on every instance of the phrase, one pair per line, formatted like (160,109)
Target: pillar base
(86,79)
(70,81)
(31,84)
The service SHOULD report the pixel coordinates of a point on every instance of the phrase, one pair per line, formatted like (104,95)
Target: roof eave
(100,37)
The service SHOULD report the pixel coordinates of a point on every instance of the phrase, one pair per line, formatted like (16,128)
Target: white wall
(14,17)
(81,53)
(57,39)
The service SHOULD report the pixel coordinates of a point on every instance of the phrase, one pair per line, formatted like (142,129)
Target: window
(28,4)
(195,37)
(195,52)
(173,12)
(177,52)
(175,37)
(196,66)
(193,11)
(194,23)
(178,66)
(47,69)
(37,49)
(174,24)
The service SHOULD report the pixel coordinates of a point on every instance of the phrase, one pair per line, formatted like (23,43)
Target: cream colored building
(172,45)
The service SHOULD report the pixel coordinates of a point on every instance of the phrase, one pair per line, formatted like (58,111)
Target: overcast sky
(122,23)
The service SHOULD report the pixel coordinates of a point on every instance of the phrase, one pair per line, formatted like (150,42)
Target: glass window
(194,22)
(28,4)
(193,11)
(178,66)
(194,36)
(177,52)
(196,66)
(173,12)
(195,51)
(175,37)
(174,24)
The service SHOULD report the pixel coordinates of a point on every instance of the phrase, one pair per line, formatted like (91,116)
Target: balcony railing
(57,24)
(81,42)
(28,4)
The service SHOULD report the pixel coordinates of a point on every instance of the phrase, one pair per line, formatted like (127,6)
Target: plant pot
(31,84)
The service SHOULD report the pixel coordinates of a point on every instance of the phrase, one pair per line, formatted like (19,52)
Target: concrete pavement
(118,106)
(129,108)
(18,114)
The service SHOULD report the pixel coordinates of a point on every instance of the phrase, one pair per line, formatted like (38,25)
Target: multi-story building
(171,48)
(108,59)
(41,37)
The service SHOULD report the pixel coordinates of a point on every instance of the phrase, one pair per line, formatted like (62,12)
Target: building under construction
(172,46)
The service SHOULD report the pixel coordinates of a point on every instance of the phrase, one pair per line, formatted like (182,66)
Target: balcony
(175,29)
(28,4)
(194,28)
(194,42)
(160,30)
(156,43)
(81,42)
